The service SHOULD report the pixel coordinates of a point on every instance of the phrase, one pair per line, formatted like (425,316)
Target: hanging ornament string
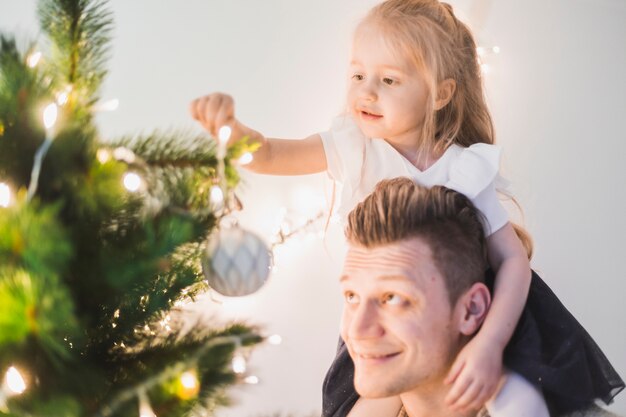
(49,119)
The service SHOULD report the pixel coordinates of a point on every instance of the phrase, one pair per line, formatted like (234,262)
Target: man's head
(413,285)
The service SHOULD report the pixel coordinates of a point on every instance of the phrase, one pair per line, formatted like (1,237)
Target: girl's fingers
(213,111)
(193,109)
(480,400)
(458,389)
(454,372)
(468,397)
(225,112)
(211,107)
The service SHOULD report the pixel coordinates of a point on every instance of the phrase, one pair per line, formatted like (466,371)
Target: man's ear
(472,307)
(445,92)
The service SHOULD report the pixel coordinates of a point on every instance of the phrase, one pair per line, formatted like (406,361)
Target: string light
(189,385)
(245,159)
(132,182)
(63,96)
(14,381)
(33,59)
(189,380)
(145,409)
(49,119)
(217,196)
(251,379)
(50,116)
(224,134)
(103,155)
(5,195)
(109,105)
(12,385)
(275,339)
(239,363)
(124,154)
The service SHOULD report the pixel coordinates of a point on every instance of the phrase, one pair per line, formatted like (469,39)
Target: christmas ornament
(237,263)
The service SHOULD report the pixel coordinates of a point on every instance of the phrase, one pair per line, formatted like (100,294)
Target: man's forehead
(403,258)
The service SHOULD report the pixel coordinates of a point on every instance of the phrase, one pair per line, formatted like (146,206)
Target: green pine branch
(79,32)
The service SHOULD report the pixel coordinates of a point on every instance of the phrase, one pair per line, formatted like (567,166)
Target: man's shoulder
(589,412)
(593,411)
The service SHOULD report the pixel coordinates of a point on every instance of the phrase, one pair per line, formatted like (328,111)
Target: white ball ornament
(238,262)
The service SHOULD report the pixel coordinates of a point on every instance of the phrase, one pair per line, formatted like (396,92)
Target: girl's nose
(368,91)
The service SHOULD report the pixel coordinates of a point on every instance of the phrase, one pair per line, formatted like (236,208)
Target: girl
(416,109)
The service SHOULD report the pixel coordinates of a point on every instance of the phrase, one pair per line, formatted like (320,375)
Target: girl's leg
(517,398)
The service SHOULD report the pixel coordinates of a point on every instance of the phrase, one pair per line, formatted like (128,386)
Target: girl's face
(387,95)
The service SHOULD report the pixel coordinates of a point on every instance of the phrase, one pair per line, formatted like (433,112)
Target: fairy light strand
(49,119)
(169,372)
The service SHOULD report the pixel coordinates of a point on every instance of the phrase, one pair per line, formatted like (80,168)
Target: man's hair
(444,219)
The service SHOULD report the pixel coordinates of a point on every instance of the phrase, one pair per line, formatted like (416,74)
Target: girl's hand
(216,110)
(475,375)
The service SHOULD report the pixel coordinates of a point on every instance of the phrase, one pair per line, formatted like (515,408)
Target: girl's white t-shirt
(358,163)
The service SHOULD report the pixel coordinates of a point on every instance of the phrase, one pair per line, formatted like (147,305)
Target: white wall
(557,92)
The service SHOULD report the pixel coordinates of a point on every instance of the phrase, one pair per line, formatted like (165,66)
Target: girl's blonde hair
(441,47)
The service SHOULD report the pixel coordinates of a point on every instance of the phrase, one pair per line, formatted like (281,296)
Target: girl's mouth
(370,116)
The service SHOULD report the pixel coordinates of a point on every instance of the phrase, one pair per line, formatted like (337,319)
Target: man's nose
(364,322)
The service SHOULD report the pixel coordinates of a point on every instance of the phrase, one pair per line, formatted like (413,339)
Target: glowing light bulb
(224,134)
(239,364)
(496,49)
(189,385)
(103,155)
(109,105)
(5,195)
(480,51)
(485,68)
(189,380)
(50,115)
(217,195)
(132,182)
(124,154)
(275,339)
(14,381)
(245,159)
(33,59)
(251,379)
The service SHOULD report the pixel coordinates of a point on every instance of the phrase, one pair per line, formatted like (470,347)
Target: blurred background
(556,89)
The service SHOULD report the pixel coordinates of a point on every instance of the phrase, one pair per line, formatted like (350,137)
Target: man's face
(397,319)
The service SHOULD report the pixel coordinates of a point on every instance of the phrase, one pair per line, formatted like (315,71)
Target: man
(413,283)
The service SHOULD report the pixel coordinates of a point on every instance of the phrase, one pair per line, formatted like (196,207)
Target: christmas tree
(101,241)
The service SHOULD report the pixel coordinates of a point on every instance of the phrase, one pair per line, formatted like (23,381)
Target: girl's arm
(275,156)
(478,367)
(508,257)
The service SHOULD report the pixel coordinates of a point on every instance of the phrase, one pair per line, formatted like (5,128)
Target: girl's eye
(389,81)
(358,77)
(392,299)
(351,298)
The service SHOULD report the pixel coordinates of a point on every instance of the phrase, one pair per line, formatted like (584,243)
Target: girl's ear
(445,92)
(472,308)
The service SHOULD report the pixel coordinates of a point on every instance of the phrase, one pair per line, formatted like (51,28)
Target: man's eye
(392,299)
(358,77)
(389,81)
(351,298)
